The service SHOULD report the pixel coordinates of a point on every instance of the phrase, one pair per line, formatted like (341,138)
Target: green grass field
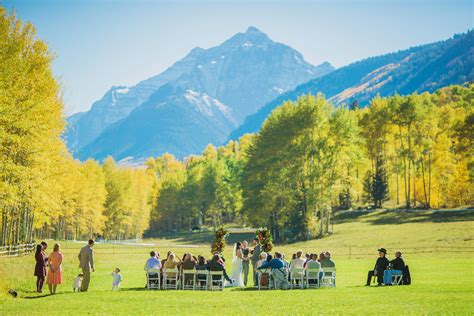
(438,247)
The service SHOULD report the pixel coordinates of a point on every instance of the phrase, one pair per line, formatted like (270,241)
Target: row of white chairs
(299,278)
(185,280)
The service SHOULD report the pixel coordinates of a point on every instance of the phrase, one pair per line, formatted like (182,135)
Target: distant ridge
(417,69)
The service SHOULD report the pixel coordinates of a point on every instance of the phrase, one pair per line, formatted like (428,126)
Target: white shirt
(152,263)
(117,278)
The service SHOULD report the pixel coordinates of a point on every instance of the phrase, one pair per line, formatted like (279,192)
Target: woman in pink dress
(55,275)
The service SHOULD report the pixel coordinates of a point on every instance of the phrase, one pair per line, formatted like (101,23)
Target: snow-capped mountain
(197,101)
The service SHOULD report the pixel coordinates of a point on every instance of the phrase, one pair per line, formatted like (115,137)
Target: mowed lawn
(438,247)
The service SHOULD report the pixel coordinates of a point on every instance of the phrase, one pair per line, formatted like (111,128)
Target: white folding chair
(216,280)
(297,278)
(329,277)
(312,275)
(397,279)
(260,274)
(280,278)
(170,279)
(201,280)
(188,283)
(153,279)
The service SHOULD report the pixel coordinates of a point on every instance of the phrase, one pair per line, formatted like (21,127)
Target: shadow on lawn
(393,217)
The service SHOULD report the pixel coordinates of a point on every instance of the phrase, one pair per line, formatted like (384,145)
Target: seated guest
(188,264)
(278,270)
(327,262)
(201,265)
(269,258)
(164,260)
(297,263)
(216,264)
(380,266)
(321,257)
(263,258)
(397,265)
(153,262)
(313,264)
(171,263)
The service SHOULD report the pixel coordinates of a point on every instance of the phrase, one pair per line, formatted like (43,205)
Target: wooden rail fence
(16,250)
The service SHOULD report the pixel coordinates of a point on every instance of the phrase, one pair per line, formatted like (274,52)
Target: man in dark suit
(380,266)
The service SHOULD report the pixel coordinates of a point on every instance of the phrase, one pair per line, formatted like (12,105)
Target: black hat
(382,250)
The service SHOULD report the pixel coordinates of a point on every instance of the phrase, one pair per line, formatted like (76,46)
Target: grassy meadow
(438,246)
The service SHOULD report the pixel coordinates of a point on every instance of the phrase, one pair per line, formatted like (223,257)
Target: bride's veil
(234,253)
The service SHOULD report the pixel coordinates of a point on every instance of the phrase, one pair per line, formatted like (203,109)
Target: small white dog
(76,284)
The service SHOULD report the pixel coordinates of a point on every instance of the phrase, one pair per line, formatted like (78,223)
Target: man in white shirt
(153,262)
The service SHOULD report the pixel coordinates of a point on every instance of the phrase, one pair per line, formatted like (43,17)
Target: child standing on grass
(117,279)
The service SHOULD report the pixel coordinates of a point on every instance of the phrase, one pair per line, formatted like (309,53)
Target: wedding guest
(116,279)
(278,270)
(171,263)
(153,262)
(296,264)
(380,266)
(293,256)
(269,258)
(327,262)
(201,265)
(55,274)
(86,263)
(313,264)
(215,264)
(397,267)
(263,259)
(298,261)
(188,264)
(321,257)
(166,258)
(40,268)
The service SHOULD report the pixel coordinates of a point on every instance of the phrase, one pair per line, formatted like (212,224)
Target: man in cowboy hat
(380,266)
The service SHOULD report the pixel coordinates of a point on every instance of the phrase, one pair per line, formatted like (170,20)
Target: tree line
(309,159)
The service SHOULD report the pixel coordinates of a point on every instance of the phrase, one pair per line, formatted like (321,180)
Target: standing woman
(40,268)
(55,275)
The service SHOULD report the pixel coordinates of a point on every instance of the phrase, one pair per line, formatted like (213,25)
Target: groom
(254,259)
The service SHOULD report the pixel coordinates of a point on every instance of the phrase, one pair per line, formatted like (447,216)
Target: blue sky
(100,43)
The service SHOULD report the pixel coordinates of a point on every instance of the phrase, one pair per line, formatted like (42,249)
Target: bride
(237,266)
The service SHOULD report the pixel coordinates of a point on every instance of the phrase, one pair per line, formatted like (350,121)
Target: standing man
(257,250)
(380,266)
(86,263)
(245,261)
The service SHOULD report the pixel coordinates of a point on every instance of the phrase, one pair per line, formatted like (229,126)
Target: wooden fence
(17,250)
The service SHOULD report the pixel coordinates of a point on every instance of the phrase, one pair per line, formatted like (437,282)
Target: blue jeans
(387,275)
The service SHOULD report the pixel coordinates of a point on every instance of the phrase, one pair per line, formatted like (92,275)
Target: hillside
(418,69)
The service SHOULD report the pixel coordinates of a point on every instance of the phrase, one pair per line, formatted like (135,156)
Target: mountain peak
(253,29)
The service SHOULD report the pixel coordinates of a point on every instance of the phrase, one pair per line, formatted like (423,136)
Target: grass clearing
(443,280)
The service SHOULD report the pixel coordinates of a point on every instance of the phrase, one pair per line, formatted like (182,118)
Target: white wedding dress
(236,269)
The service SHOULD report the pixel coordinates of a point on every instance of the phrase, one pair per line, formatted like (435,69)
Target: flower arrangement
(219,242)
(265,239)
